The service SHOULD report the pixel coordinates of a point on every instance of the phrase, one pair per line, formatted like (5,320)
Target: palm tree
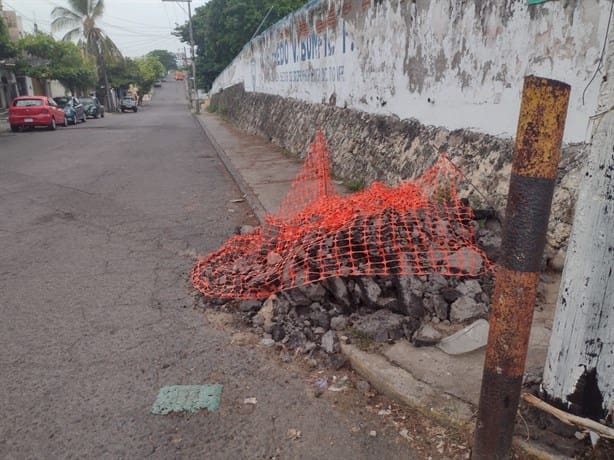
(81,19)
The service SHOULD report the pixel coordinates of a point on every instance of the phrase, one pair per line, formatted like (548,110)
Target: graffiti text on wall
(312,47)
(330,73)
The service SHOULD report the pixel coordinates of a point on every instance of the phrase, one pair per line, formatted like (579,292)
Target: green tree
(7,49)
(41,56)
(80,20)
(222,27)
(123,73)
(149,70)
(166,58)
(142,72)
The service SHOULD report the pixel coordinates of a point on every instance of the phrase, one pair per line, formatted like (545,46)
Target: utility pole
(193,90)
(579,372)
(541,122)
(196,105)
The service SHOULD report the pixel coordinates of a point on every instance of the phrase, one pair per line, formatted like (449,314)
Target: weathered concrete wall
(451,63)
(371,148)
(395,82)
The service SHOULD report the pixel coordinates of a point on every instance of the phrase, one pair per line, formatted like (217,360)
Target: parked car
(72,108)
(32,111)
(128,103)
(178,75)
(158,84)
(92,106)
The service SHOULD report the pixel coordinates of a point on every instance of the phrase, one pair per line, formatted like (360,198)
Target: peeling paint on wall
(447,63)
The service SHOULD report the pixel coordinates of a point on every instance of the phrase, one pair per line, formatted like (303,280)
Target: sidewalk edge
(244,187)
(401,386)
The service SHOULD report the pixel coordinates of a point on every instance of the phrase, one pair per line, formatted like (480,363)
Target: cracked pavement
(99,226)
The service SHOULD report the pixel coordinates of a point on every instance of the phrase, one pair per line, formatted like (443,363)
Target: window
(27,102)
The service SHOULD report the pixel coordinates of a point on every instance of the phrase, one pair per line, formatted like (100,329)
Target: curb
(245,189)
(444,408)
(400,385)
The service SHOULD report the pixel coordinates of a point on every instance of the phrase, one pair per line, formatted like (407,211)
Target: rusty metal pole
(536,157)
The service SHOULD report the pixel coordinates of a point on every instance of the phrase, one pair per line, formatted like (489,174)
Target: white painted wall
(56,89)
(445,62)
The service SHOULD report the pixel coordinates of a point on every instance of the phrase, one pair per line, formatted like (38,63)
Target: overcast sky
(136,26)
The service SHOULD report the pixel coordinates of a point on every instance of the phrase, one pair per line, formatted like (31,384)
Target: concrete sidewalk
(438,385)
(263,171)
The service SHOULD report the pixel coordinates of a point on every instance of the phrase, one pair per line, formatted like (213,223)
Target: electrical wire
(18,12)
(148,26)
(168,18)
(605,43)
(133,32)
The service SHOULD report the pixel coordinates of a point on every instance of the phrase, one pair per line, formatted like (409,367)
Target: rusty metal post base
(536,156)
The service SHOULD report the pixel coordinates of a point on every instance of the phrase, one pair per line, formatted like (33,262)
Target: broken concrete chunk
(369,290)
(469,287)
(319,317)
(267,311)
(338,323)
(450,294)
(296,297)
(328,342)
(338,289)
(250,305)
(470,338)
(466,260)
(313,291)
(382,326)
(246,229)
(465,308)
(273,258)
(437,305)
(426,336)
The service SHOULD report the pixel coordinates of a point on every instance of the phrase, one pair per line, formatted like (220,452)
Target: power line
(149,26)
(19,12)
(131,31)
(168,18)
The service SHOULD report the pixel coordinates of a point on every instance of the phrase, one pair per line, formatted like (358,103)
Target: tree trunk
(107,90)
(579,370)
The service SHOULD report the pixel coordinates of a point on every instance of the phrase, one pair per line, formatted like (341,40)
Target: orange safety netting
(417,228)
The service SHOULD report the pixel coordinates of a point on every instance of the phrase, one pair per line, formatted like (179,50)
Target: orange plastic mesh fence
(417,228)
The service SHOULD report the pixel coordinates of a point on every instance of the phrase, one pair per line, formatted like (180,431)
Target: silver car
(128,103)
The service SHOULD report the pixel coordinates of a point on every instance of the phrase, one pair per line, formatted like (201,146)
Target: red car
(32,111)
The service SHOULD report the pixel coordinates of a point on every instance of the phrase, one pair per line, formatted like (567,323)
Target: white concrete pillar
(579,368)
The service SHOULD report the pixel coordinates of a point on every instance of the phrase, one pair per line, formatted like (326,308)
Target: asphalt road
(99,224)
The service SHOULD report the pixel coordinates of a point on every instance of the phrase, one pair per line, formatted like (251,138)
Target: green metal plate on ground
(187,398)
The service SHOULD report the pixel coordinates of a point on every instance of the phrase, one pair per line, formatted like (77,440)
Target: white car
(128,103)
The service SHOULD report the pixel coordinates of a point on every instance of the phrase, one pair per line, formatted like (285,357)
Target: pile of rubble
(380,264)
(381,309)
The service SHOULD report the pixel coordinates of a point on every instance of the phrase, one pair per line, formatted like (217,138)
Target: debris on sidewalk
(320,384)
(470,338)
(293,434)
(379,265)
(253,401)
(187,398)
(339,384)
